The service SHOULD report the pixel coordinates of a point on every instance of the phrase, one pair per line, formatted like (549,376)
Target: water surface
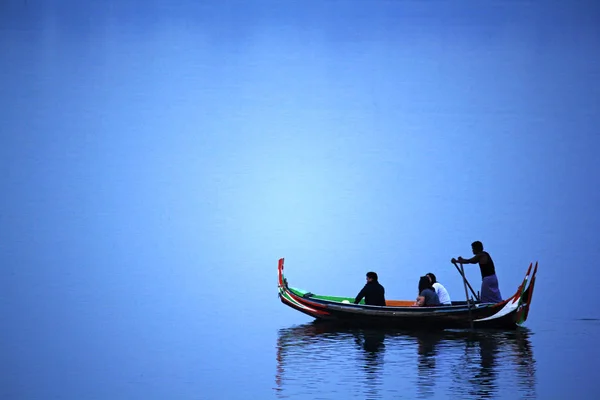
(318,360)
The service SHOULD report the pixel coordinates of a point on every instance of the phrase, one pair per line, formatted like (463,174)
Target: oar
(461,271)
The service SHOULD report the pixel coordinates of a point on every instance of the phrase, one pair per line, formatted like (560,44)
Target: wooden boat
(507,314)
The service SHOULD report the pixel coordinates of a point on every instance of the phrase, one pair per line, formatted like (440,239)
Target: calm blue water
(379,364)
(373,364)
(157,158)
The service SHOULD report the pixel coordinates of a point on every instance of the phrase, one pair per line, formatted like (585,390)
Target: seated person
(373,292)
(440,290)
(427,296)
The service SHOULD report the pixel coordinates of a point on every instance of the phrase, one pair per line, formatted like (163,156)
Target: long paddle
(462,273)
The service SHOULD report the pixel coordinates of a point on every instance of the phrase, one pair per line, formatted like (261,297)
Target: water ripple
(323,361)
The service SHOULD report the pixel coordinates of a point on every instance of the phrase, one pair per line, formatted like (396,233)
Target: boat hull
(508,314)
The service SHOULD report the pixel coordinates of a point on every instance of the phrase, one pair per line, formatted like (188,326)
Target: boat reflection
(319,358)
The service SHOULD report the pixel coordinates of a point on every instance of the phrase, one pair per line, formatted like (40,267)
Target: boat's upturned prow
(507,314)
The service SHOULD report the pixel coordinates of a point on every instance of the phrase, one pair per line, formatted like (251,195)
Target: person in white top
(440,290)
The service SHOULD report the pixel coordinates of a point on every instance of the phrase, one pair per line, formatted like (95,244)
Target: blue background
(157,158)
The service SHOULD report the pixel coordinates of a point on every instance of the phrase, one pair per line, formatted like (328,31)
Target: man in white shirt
(440,290)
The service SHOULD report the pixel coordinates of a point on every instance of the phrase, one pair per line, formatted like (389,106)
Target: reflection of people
(490,290)
(496,352)
(427,296)
(340,349)
(484,381)
(373,292)
(373,340)
(440,290)
(373,346)
(470,362)
(427,350)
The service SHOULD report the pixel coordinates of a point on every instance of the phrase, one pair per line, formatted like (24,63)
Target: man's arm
(420,301)
(360,295)
(473,260)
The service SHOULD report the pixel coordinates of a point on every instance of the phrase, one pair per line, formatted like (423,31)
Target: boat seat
(399,303)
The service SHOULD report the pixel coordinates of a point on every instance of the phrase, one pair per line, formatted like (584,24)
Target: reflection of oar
(461,272)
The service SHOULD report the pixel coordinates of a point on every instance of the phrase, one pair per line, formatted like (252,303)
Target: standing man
(373,292)
(490,291)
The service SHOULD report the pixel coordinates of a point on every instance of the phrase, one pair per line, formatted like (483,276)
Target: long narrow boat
(507,314)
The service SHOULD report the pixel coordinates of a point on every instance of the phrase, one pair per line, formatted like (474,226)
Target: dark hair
(477,246)
(372,275)
(424,283)
(432,276)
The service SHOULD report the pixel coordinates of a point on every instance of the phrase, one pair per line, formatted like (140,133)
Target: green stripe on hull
(319,297)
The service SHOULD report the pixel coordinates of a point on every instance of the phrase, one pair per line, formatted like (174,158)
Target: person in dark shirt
(490,290)
(373,292)
(427,296)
